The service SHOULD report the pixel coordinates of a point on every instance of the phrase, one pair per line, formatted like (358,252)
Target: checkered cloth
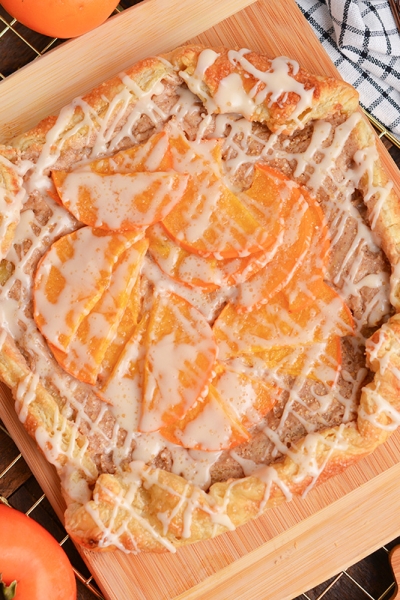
(363,42)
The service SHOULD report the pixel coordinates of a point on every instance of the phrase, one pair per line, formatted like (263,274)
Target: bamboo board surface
(300,544)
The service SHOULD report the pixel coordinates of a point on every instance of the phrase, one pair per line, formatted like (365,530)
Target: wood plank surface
(302,543)
(44,86)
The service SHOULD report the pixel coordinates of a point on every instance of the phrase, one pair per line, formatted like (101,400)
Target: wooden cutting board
(300,544)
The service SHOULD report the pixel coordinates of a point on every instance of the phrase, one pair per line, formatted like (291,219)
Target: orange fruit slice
(319,361)
(124,387)
(88,346)
(131,189)
(270,193)
(119,201)
(71,277)
(152,155)
(180,355)
(221,419)
(307,281)
(303,241)
(273,324)
(195,270)
(209,426)
(249,398)
(124,332)
(210,218)
(304,289)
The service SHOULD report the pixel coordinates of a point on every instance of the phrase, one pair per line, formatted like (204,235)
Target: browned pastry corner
(329,96)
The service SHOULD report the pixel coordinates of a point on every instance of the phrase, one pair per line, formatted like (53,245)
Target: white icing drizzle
(10,200)
(278,82)
(338,212)
(194,82)
(382,407)
(269,476)
(107,133)
(25,394)
(116,196)
(231,97)
(84,276)
(110,533)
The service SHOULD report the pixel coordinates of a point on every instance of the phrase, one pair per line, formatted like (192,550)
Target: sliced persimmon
(71,277)
(270,193)
(307,281)
(336,309)
(124,332)
(131,189)
(124,387)
(88,346)
(209,426)
(319,361)
(152,155)
(53,194)
(303,241)
(249,398)
(304,289)
(210,218)
(180,355)
(194,156)
(273,324)
(195,270)
(119,201)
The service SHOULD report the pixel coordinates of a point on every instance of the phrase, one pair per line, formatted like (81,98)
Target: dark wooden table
(370,578)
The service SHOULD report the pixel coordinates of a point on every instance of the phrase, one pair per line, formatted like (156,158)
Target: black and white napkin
(363,42)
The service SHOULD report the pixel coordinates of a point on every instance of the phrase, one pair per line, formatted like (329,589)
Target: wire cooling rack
(371,578)
(20,488)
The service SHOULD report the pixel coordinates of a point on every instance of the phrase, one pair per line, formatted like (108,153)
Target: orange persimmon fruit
(60,18)
(303,241)
(180,354)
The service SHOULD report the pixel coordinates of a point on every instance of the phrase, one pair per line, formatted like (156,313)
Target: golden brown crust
(384,218)
(143,74)
(43,411)
(226,506)
(10,188)
(329,96)
(125,507)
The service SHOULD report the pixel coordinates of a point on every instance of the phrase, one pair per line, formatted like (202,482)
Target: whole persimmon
(33,566)
(60,18)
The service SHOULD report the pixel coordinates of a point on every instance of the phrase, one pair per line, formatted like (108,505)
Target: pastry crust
(10,198)
(126,504)
(280,110)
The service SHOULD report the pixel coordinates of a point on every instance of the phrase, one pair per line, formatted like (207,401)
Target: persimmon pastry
(199,294)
